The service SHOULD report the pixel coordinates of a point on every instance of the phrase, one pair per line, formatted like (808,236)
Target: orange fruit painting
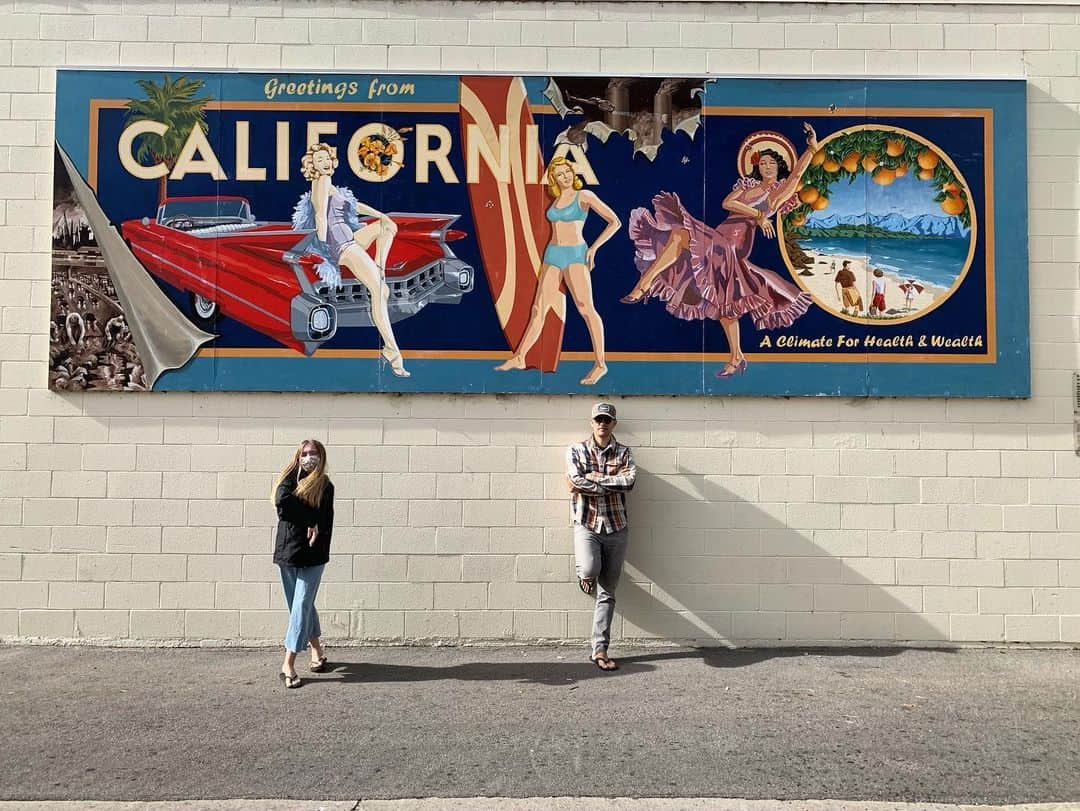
(953,204)
(885,156)
(928,159)
(884,176)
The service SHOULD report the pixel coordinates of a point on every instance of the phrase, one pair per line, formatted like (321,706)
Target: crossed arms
(594,483)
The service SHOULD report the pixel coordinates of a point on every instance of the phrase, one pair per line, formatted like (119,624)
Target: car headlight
(320,321)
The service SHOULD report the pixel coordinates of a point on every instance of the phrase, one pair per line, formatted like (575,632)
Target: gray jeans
(600,556)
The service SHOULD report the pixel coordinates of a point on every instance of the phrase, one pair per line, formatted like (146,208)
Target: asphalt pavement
(970,726)
(519,804)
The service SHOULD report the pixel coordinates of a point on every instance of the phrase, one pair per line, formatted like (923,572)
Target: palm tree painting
(174,103)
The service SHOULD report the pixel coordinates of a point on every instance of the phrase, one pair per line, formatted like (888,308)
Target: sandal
(290,681)
(601,660)
(318,665)
(587,584)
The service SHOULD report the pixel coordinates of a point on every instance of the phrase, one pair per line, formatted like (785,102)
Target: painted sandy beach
(823,287)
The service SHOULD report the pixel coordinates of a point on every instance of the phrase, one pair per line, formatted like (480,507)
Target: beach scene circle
(884,230)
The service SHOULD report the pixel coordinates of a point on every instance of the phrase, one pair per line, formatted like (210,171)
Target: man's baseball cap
(605,409)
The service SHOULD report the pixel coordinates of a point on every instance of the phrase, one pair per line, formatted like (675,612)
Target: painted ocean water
(933,261)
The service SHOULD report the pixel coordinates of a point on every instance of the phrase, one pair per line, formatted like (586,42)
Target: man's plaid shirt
(600,506)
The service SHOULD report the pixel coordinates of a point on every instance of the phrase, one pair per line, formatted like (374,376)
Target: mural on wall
(539,234)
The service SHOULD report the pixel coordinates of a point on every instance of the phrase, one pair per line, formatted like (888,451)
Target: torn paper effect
(164,338)
(639,109)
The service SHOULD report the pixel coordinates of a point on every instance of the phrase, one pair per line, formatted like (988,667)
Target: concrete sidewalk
(989,727)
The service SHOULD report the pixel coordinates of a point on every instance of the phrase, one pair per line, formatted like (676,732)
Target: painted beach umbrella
(911,284)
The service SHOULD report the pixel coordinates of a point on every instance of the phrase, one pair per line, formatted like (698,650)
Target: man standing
(846,290)
(600,472)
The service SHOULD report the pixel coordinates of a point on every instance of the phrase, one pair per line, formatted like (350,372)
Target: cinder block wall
(791,521)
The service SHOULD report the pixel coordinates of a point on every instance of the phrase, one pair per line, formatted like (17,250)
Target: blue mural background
(700,169)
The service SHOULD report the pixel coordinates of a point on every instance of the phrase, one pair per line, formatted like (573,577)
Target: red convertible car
(264,274)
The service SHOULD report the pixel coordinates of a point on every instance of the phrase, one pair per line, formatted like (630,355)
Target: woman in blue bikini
(568,258)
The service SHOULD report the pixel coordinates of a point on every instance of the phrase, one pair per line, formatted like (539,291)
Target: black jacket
(294,517)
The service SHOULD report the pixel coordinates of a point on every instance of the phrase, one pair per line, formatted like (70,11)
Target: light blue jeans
(301,584)
(601,555)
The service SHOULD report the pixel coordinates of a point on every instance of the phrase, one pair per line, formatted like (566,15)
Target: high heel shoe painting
(393,359)
(732,369)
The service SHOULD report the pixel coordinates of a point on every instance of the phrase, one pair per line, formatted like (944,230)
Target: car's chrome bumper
(441,282)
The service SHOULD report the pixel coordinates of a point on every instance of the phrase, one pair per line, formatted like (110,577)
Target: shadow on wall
(707,567)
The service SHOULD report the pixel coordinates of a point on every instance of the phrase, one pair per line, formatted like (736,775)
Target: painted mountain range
(927,225)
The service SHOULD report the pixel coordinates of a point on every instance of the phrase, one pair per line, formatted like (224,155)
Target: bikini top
(568,213)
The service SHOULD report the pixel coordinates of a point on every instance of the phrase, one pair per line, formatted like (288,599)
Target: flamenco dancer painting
(705,272)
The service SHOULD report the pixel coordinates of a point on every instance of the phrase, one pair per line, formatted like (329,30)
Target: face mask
(309,462)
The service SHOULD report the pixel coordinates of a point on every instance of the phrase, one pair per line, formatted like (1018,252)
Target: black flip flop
(319,666)
(596,660)
(291,682)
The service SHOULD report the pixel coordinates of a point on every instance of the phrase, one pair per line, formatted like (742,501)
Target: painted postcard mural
(539,234)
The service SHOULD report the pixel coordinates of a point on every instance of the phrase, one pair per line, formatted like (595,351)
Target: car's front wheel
(206,311)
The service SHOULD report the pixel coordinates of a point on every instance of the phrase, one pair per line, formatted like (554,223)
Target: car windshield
(229,209)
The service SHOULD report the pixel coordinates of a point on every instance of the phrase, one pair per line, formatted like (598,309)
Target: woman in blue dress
(568,258)
(333,212)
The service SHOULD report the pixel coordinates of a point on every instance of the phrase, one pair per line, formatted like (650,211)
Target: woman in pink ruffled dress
(703,272)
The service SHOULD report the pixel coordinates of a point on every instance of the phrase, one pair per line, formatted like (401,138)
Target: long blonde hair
(307,162)
(552,186)
(311,488)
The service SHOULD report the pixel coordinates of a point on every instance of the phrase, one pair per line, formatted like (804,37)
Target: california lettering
(432,147)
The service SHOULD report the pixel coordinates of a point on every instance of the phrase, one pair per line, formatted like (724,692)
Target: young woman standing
(304,498)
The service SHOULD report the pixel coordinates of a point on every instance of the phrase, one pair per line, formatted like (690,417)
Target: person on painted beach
(705,272)
(600,472)
(846,291)
(568,258)
(877,303)
(332,211)
(304,499)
